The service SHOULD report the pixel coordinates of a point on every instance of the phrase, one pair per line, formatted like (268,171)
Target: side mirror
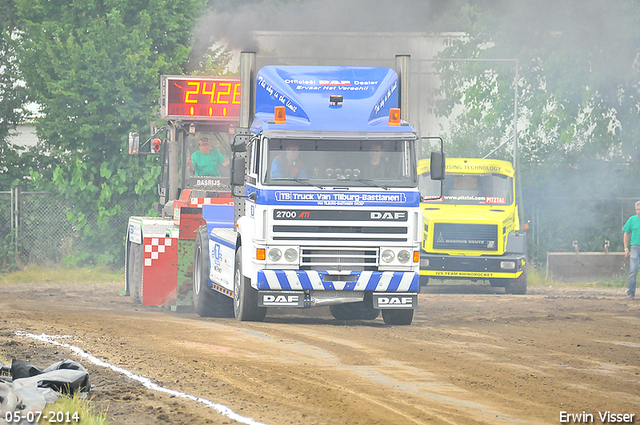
(237,171)
(134,143)
(240,142)
(437,165)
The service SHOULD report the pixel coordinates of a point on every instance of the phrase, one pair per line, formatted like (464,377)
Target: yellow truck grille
(465,237)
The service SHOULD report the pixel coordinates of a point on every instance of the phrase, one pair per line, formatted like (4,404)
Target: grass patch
(57,273)
(536,278)
(69,409)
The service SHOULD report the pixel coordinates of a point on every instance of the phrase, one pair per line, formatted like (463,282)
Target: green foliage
(578,103)
(93,67)
(8,261)
(13,97)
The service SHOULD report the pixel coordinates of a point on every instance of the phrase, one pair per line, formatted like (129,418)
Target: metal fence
(36,228)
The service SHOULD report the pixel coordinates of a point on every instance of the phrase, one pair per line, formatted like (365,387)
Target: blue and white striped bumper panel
(358,281)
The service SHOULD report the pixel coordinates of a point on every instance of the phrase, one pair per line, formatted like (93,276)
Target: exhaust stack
(402,68)
(247,93)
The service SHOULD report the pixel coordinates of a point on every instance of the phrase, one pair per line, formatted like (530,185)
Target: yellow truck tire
(517,286)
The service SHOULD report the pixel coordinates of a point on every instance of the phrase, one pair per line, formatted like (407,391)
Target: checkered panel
(154,247)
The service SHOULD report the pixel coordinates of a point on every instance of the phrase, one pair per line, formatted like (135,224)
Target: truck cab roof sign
(368,93)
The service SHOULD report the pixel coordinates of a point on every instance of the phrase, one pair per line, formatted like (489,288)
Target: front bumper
(481,267)
(302,280)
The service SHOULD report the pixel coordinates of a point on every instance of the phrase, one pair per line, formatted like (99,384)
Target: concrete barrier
(586,266)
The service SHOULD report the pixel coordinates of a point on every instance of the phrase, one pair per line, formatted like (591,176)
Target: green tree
(579,103)
(12,98)
(578,81)
(93,66)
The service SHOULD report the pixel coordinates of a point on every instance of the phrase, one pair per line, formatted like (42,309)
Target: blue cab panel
(367,95)
(218,216)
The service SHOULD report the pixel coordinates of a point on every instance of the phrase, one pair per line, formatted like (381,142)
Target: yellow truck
(473,231)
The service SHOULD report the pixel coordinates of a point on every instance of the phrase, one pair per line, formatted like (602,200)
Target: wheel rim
(236,287)
(197,273)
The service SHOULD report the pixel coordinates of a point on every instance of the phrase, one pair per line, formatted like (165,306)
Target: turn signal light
(260,254)
(280,117)
(416,256)
(394,116)
(155,145)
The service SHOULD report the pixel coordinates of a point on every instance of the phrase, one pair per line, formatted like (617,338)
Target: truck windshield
(345,163)
(469,189)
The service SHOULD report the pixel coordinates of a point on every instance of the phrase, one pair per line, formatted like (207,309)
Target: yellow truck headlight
(508,265)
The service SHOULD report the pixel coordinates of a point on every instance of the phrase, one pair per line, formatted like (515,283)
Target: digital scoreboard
(200,98)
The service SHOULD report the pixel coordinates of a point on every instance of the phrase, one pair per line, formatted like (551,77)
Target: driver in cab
(205,162)
(288,166)
(376,166)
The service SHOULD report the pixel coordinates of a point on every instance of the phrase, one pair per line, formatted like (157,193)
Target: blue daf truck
(325,204)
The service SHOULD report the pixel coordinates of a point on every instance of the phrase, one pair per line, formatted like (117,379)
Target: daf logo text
(398,216)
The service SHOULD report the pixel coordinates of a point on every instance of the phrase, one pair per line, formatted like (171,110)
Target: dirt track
(472,356)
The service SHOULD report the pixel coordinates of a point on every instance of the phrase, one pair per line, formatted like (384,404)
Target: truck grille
(339,233)
(344,259)
(469,237)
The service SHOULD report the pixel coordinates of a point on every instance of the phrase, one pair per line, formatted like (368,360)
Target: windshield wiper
(372,183)
(301,182)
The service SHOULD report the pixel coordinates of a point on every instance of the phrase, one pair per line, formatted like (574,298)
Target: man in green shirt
(205,161)
(631,241)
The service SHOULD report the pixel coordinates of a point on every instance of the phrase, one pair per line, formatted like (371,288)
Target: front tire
(397,317)
(207,302)
(517,286)
(245,298)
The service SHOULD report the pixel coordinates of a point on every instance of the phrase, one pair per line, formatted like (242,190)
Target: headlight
(388,256)
(404,256)
(509,265)
(291,255)
(275,254)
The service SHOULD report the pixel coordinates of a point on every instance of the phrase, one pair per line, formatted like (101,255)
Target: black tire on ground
(362,310)
(517,286)
(397,316)
(207,302)
(424,280)
(134,272)
(245,298)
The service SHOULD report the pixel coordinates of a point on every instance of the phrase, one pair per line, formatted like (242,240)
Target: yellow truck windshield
(470,189)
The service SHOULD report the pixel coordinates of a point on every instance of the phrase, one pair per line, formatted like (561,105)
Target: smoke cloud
(234,26)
